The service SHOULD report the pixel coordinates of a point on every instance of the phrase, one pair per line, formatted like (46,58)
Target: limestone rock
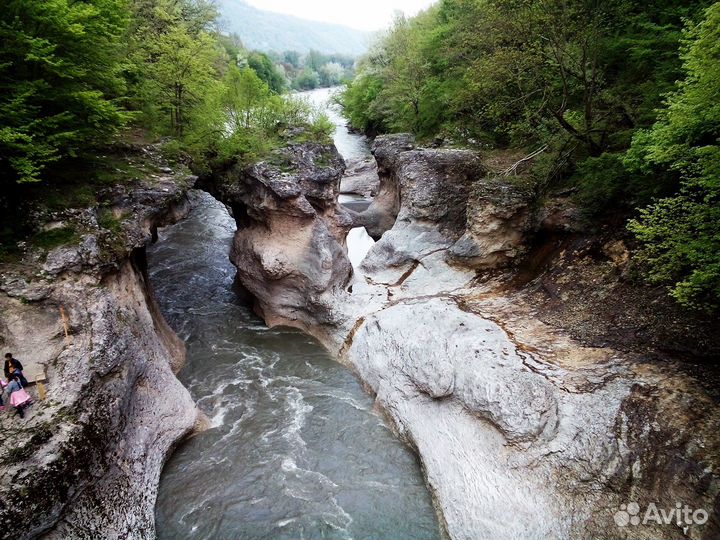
(499,223)
(431,188)
(361,178)
(86,461)
(290,245)
(383,210)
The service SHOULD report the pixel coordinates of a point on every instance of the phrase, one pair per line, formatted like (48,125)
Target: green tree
(175,55)
(244,95)
(267,71)
(331,74)
(307,80)
(681,234)
(292,58)
(314,60)
(183,71)
(60,80)
(360,103)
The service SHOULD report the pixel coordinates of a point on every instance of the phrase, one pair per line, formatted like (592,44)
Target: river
(296,448)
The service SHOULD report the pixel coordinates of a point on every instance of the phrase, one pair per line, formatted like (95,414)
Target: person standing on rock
(12,365)
(19,398)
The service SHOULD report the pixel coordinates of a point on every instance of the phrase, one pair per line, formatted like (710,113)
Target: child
(19,398)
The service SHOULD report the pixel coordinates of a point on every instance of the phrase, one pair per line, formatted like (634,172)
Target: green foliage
(107,220)
(315,69)
(321,128)
(53,238)
(578,77)
(183,72)
(604,180)
(292,58)
(307,80)
(267,71)
(175,57)
(60,80)
(681,234)
(79,76)
(243,119)
(361,104)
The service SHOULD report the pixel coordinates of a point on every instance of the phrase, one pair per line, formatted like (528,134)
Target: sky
(363,14)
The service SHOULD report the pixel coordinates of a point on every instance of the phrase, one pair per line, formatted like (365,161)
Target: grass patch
(57,198)
(108,220)
(53,238)
(281,161)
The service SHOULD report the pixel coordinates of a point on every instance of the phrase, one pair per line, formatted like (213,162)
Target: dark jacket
(15,363)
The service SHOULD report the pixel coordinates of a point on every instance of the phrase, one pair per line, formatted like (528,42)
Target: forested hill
(267,31)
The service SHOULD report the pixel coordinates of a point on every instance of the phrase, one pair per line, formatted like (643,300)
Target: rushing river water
(351,145)
(296,449)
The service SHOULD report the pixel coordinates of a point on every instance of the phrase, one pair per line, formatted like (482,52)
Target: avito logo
(682,515)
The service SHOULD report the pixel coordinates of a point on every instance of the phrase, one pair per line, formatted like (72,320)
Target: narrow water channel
(296,449)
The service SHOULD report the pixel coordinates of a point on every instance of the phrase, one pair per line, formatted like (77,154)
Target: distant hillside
(268,31)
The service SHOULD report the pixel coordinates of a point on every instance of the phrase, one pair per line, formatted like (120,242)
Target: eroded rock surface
(381,215)
(290,245)
(361,178)
(86,461)
(500,218)
(523,431)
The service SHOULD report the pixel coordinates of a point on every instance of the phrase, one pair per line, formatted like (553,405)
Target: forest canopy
(74,74)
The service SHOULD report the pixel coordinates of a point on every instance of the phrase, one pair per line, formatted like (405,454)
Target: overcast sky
(362,14)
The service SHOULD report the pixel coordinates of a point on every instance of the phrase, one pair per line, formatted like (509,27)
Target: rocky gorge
(525,427)
(523,430)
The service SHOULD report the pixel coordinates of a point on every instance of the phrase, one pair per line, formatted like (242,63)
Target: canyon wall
(85,462)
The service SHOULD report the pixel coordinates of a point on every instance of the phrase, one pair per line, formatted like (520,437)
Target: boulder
(361,178)
(499,225)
